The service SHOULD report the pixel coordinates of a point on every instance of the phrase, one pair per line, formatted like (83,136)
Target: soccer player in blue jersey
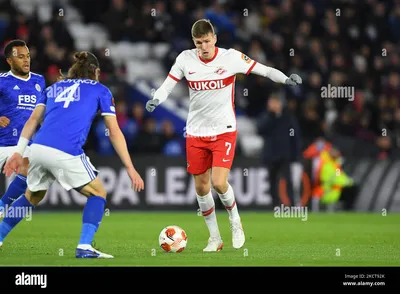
(67,109)
(19,91)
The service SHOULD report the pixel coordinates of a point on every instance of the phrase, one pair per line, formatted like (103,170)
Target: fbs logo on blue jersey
(26,101)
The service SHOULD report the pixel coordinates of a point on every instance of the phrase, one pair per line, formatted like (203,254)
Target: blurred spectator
(148,140)
(128,125)
(282,146)
(138,114)
(103,144)
(173,144)
(311,122)
(121,20)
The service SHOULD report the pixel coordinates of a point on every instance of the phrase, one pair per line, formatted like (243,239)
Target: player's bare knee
(99,189)
(24,168)
(102,193)
(35,197)
(220,185)
(202,190)
(202,187)
(94,188)
(23,172)
(202,184)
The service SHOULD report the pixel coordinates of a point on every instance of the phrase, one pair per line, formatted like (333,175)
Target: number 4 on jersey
(68,95)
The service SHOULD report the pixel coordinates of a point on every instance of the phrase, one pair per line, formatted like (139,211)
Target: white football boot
(214,244)
(238,237)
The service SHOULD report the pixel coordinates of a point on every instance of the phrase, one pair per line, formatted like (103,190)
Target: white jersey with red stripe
(211,89)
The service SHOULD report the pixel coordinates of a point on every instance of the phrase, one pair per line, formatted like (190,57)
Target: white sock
(207,208)
(84,246)
(228,200)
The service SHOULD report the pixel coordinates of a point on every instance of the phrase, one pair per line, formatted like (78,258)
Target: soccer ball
(172,239)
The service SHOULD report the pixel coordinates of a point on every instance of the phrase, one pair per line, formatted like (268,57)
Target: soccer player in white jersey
(67,109)
(211,125)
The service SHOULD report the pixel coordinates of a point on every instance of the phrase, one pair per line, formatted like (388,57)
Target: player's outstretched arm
(161,94)
(119,143)
(15,162)
(175,74)
(33,122)
(276,75)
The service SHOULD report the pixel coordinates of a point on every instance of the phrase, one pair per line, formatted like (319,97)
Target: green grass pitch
(341,239)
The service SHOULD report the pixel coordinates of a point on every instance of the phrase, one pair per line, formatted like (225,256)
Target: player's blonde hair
(84,67)
(202,27)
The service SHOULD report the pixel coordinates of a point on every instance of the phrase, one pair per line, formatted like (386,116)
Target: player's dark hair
(84,67)
(8,49)
(201,28)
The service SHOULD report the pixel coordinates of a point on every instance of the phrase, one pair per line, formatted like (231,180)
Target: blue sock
(91,218)
(14,215)
(15,189)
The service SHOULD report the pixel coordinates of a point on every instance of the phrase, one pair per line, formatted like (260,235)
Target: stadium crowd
(338,43)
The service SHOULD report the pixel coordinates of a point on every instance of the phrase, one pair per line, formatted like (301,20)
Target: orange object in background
(315,149)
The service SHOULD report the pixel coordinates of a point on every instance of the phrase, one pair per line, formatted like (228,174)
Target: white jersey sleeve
(241,63)
(177,70)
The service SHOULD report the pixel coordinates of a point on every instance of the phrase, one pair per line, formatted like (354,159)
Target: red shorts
(204,153)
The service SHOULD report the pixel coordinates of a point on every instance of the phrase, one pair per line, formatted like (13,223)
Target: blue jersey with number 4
(71,106)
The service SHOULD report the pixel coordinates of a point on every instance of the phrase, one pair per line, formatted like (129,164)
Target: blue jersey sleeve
(43,98)
(107,106)
(43,84)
